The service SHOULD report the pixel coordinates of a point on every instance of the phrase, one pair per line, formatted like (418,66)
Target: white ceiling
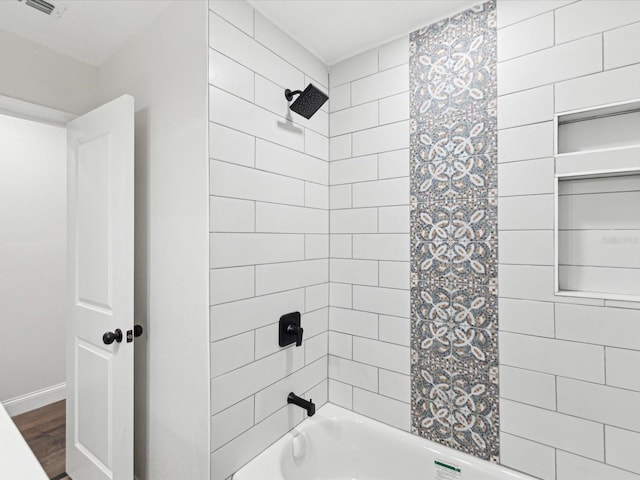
(89,30)
(337,29)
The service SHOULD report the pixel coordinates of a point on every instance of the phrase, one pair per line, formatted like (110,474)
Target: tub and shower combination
(337,444)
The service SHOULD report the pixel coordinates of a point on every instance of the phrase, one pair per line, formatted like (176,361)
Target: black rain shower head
(308,102)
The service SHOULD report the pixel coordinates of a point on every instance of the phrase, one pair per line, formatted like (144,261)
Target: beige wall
(32,256)
(165,69)
(36,74)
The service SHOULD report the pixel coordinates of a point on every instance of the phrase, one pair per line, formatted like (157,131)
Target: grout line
(375,392)
(254,88)
(351,143)
(255,283)
(266,171)
(255,217)
(377,99)
(546,49)
(604,442)
(369,75)
(601,32)
(611,387)
(264,294)
(352,253)
(523,20)
(553,16)
(589,302)
(522,160)
(540,122)
(266,202)
(352,388)
(602,50)
(255,345)
(373,127)
(255,150)
(553,411)
(569,341)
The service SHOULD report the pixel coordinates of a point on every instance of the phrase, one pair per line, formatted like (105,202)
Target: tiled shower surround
(398,182)
(269,233)
(454,242)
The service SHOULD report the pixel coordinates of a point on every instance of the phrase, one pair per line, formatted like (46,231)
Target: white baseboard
(31,401)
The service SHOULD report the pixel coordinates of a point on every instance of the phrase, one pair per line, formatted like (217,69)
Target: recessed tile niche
(597,219)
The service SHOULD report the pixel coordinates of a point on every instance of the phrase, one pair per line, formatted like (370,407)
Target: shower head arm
(289,94)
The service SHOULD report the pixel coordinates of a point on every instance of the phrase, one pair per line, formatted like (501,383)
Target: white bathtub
(337,444)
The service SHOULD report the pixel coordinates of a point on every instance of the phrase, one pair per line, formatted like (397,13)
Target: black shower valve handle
(297,331)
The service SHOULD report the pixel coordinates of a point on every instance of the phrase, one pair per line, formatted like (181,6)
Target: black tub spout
(309,406)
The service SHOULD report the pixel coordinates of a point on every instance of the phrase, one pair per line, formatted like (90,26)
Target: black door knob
(137,330)
(109,337)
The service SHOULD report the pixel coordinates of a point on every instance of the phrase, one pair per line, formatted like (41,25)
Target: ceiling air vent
(54,9)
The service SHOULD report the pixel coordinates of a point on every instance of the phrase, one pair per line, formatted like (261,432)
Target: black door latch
(136,332)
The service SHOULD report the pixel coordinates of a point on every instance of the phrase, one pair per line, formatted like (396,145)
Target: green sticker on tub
(446,471)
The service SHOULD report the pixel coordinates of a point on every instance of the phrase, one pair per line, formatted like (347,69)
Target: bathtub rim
(333,412)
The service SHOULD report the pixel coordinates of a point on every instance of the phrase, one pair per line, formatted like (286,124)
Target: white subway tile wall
(569,385)
(369,247)
(269,237)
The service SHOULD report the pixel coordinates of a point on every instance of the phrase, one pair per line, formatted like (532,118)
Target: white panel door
(99,300)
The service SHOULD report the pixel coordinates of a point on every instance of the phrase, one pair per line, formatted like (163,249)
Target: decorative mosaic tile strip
(462,305)
(454,242)
(457,408)
(455,158)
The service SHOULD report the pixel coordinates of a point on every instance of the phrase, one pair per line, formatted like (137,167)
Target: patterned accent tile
(455,159)
(465,306)
(455,325)
(462,223)
(456,407)
(455,242)
(453,65)
(473,262)
(481,18)
(457,346)
(454,328)
(446,93)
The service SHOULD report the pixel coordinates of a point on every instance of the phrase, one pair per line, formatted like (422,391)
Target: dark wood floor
(44,431)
